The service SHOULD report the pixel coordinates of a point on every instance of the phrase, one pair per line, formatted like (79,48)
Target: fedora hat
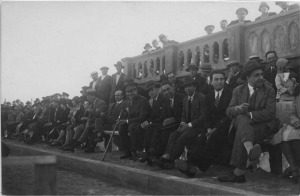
(147,45)
(191,67)
(206,67)
(188,80)
(209,27)
(94,73)
(162,36)
(251,66)
(119,64)
(152,84)
(104,67)
(232,63)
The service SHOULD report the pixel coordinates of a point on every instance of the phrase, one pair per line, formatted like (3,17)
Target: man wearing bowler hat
(200,82)
(103,86)
(241,14)
(252,110)
(192,124)
(233,74)
(117,80)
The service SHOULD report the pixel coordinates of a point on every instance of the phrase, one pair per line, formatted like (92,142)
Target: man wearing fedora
(103,86)
(233,75)
(252,110)
(147,49)
(241,14)
(94,76)
(192,124)
(200,82)
(264,9)
(138,111)
(212,146)
(117,81)
(154,121)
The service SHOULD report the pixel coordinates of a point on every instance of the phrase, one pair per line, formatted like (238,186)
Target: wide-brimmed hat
(162,36)
(223,21)
(91,92)
(191,67)
(152,84)
(282,62)
(147,45)
(66,94)
(242,9)
(188,80)
(119,64)
(94,73)
(104,67)
(232,63)
(263,4)
(130,83)
(209,27)
(251,66)
(206,67)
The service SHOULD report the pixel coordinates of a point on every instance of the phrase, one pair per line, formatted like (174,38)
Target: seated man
(200,81)
(252,109)
(138,112)
(233,75)
(214,145)
(192,124)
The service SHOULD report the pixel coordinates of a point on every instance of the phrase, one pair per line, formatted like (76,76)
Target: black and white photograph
(150,97)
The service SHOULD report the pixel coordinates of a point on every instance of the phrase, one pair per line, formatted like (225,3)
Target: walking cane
(111,137)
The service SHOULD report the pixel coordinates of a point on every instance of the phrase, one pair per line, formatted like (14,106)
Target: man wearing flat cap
(94,76)
(209,29)
(147,49)
(233,75)
(200,82)
(138,111)
(103,87)
(117,80)
(252,110)
(264,9)
(192,124)
(223,25)
(241,14)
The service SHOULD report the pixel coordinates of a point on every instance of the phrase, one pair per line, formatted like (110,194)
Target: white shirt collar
(220,92)
(191,97)
(119,102)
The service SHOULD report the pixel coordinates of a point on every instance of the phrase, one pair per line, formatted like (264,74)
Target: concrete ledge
(142,180)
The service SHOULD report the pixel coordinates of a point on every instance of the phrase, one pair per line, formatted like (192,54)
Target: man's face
(63,106)
(223,25)
(255,79)
(153,92)
(131,92)
(172,78)
(209,31)
(91,98)
(118,96)
(264,9)
(104,71)
(234,69)
(163,39)
(190,89)
(119,68)
(283,5)
(241,16)
(272,59)
(193,72)
(218,81)
(155,43)
(168,91)
(95,77)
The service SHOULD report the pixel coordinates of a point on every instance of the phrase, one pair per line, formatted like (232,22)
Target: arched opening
(157,66)
(145,69)
(216,52)
(140,72)
(225,50)
(206,54)
(181,60)
(152,67)
(189,57)
(198,56)
(134,71)
(163,65)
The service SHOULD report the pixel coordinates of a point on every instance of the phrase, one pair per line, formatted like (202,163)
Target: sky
(52,47)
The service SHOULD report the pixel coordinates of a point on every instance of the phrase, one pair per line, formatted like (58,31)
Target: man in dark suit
(170,116)
(271,69)
(214,144)
(233,75)
(103,86)
(138,112)
(117,81)
(93,84)
(252,109)
(200,82)
(264,9)
(241,14)
(192,124)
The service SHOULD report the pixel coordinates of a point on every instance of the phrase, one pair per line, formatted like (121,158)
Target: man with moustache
(117,81)
(252,109)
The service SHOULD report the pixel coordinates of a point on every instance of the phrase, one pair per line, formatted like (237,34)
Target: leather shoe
(186,168)
(126,156)
(164,163)
(232,178)
(254,153)
(89,150)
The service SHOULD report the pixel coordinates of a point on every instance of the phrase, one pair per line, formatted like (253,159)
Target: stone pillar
(236,42)
(170,58)
(128,67)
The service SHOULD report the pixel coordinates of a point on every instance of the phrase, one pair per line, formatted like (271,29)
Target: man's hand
(209,132)
(243,108)
(230,74)
(182,127)
(297,124)
(121,122)
(145,124)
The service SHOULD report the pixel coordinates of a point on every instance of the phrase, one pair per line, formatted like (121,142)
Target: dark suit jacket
(103,88)
(116,86)
(233,81)
(91,84)
(216,116)
(264,108)
(237,21)
(97,107)
(176,111)
(199,110)
(114,111)
(269,14)
(63,116)
(270,75)
(201,84)
(156,109)
(139,110)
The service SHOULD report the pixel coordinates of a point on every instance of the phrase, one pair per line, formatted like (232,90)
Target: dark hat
(85,87)
(120,64)
(147,45)
(152,84)
(206,67)
(232,63)
(192,66)
(162,36)
(92,93)
(104,67)
(28,102)
(251,66)
(209,27)
(130,83)
(263,4)
(242,9)
(223,20)
(66,94)
(94,73)
(128,80)
(188,80)
(165,83)
(57,94)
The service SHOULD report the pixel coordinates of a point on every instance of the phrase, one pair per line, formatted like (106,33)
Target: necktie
(172,103)
(154,101)
(189,110)
(217,100)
